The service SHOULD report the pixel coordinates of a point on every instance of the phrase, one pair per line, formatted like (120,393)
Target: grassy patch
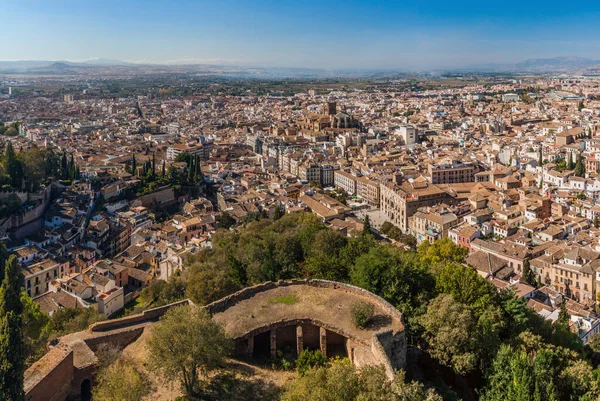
(284,299)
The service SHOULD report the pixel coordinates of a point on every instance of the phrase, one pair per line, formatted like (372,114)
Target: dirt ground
(272,380)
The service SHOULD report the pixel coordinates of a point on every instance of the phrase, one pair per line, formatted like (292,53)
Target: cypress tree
(279,212)
(63,166)
(133,165)
(579,167)
(190,176)
(197,171)
(366,225)
(163,169)
(153,164)
(12,167)
(12,348)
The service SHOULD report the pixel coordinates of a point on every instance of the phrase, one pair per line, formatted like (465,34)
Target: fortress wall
(50,378)
(146,316)
(247,293)
(120,339)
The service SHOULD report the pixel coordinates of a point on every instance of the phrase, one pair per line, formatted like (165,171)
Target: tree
(309,359)
(341,381)
(226,220)
(279,212)
(362,312)
(441,251)
(465,285)
(120,381)
(12,347)
(186,343)
(528,274)
(540,158)
(34,322)
(13,167)
(571,163)
(579,170)
(537,371)
(11,132)
(208,282)
(153,168)
(133,165)
(366,225)
(70,320)
(596,224)
(450,331)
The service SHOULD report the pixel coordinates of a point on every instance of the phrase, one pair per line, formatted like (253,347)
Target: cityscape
(205,212)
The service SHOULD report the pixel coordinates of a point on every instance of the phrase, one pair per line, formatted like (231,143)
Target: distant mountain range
(557,63)
(110,67)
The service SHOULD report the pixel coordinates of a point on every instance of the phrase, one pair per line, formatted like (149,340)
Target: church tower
(330,108)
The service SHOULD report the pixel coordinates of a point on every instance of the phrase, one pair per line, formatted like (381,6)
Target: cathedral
(331,118)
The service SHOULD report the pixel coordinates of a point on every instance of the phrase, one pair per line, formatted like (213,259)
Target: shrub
(309,359)
(362,312)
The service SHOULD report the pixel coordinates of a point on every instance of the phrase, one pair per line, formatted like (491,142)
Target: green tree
(226,221)
(309,359)
(450,331)
(465,285)
(341,381)
(441,251)
(324,260)
(153,168)
(13,167)
(238,272)
(279,212)
(133,164)
(528,274)
(579,170)
(209,281)
(186,343)
(11,132)
(34,322)
(537,371)
(120,381)
(70,320)
(12,347)
(366,225)
(571,163)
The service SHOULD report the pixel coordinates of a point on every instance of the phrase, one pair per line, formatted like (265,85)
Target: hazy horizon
(357,34)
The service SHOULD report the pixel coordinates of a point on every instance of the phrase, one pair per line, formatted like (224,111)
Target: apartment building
(399,202)
(368,190)
(569,270)
(327,175)
(39,275)
(346,181)
(310,172)
(429,225)
(201,150)
(451,173)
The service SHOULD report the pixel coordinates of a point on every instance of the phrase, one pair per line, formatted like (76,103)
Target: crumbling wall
(50,378)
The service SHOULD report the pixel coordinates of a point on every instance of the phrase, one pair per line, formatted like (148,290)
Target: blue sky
(303,33)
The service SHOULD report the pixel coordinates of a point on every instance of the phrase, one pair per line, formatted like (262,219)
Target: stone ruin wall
(387,347)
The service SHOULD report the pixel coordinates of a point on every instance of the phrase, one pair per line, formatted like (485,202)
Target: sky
(357,34)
